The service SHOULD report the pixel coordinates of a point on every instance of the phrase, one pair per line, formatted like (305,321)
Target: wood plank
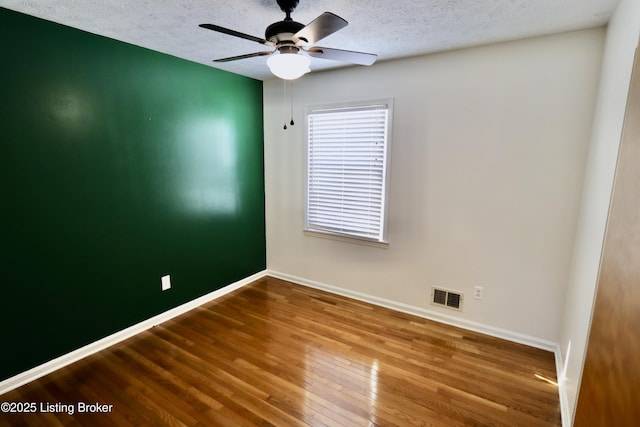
(276,353)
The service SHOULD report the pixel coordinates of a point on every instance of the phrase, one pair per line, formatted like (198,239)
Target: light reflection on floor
(324,369)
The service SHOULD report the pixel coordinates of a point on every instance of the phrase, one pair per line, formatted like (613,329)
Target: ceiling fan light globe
(288,66)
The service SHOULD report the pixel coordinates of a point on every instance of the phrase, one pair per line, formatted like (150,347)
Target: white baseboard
(423,312)
(565,410)
(67,359)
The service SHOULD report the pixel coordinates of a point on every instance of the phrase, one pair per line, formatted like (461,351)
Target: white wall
(487,165)
(621,41)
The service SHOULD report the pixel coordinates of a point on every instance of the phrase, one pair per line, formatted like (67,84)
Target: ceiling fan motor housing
(282,30)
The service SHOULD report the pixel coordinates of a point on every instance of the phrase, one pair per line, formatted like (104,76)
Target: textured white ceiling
(390,29)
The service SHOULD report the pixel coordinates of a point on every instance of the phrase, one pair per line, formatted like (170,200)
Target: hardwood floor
(276,353)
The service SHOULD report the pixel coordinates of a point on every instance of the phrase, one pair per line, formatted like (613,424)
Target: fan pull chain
(285,103)
(284,99)
(291,96)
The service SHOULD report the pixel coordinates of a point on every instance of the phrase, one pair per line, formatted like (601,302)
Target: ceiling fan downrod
(288,6)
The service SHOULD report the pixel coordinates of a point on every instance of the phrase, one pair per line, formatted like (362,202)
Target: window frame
(383,242)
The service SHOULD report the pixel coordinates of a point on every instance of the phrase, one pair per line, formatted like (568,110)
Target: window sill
(346,239)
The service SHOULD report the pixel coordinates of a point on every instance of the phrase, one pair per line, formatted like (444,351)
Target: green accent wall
(118,165)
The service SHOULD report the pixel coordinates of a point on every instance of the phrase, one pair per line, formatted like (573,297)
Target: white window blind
(347,161)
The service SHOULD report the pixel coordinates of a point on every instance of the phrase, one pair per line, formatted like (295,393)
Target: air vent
(447,298)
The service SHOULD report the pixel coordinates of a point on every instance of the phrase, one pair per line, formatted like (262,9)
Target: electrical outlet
(166,282)
(477,292)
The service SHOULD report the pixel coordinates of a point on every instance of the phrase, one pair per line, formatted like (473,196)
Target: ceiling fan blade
(249,55)
(236,34)
(321,27)
(343,55)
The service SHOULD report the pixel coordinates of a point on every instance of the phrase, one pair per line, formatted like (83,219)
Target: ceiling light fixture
(288,66)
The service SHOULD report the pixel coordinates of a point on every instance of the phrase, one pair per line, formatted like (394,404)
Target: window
(347,150)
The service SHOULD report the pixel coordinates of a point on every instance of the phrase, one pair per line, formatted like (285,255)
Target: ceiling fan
(293,43)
